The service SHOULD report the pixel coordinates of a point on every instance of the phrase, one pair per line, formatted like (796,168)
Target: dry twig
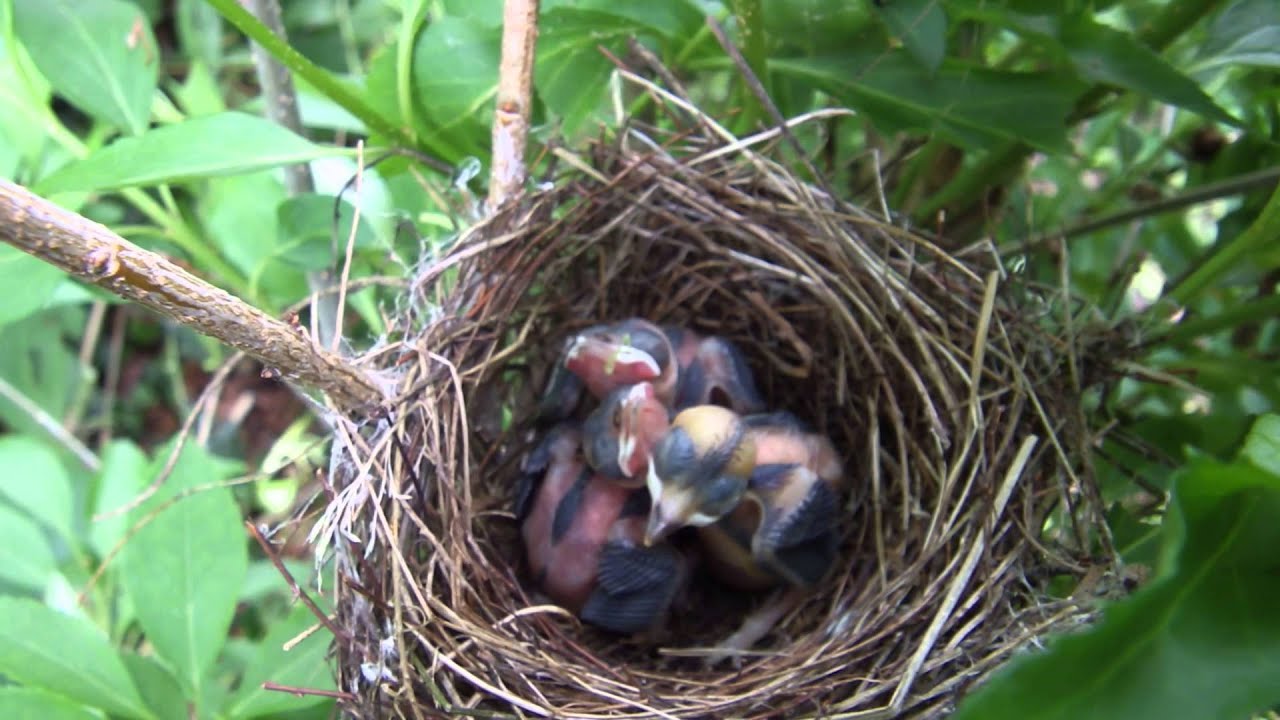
(94,254)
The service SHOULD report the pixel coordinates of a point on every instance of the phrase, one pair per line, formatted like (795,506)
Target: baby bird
(684,368)
(763,492)
(583,538)
(620,434)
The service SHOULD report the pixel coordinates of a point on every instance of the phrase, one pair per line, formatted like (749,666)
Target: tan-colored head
(698,471)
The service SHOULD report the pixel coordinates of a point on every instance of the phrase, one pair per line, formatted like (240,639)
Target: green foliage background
(1120,152)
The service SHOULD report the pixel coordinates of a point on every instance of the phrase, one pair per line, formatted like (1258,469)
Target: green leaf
(921,26)
(1201,641)
(816,26)
(98,54)
(23,703)
(28,283)
(239,214)
(569,71)
(455,70)
(483,12)
(43,648)
(1246,33)
(672,19)
(158,686)
(264,580)
(41,362)
(971,106)
(25,557)
(200,30)
(303,666)
(1262,446)
(125,472)
(1111,57)
(207,146)
(307,231)
(35,480)
(185,568)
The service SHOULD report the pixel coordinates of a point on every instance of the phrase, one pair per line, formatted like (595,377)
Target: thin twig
(298,592)
(303,692)
(208,395)
(96,255)
(1266,177)
(341,307)
(51,426)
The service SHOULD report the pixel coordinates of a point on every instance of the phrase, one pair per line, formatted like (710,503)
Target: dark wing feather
(635,586)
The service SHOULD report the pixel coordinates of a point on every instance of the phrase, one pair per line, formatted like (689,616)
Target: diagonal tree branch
(96,255)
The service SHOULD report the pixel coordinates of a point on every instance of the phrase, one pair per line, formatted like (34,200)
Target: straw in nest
(941,394)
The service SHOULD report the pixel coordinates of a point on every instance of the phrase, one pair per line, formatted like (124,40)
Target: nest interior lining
(931,383)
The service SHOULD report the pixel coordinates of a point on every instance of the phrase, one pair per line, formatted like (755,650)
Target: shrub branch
(515,93)
(96,255)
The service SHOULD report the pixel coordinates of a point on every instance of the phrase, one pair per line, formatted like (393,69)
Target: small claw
(754,628)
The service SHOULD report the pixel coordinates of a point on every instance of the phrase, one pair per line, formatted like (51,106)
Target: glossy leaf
(26,559)
(200,29)
(43,648)
(29,283)
(972,107)
(1200,641)
(921,26)
(455,70)
(184,569)
(21,703)
(483,12)
(35,481)
(1247,32)
(206,146)
(670,19)
(158,687)
(98,54)
(23,95)
(816,26)
(41,362)
(302,666)
(1262,446)
(239,214)
(1111,57)
(309,236)
(125,473)
(570,72)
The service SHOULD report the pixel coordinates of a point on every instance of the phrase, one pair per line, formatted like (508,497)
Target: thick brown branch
(515,93)
(96,255)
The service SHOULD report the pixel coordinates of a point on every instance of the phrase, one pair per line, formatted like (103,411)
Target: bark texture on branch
(96,255)
(515,95)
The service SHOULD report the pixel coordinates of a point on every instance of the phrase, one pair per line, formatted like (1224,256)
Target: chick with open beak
(607,357)
(763,493)
(684,368)
(620,434)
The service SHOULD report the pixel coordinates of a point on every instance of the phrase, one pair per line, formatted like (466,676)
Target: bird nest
(949,399)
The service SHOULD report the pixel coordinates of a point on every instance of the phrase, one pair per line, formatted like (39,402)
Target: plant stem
(319,78)
(1225,256)
(96,255)
(1195,196)
(750,17)
(412,20)
(515,96)
(1255,310)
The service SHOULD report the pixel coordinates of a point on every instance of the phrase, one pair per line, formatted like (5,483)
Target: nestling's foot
(754,628)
